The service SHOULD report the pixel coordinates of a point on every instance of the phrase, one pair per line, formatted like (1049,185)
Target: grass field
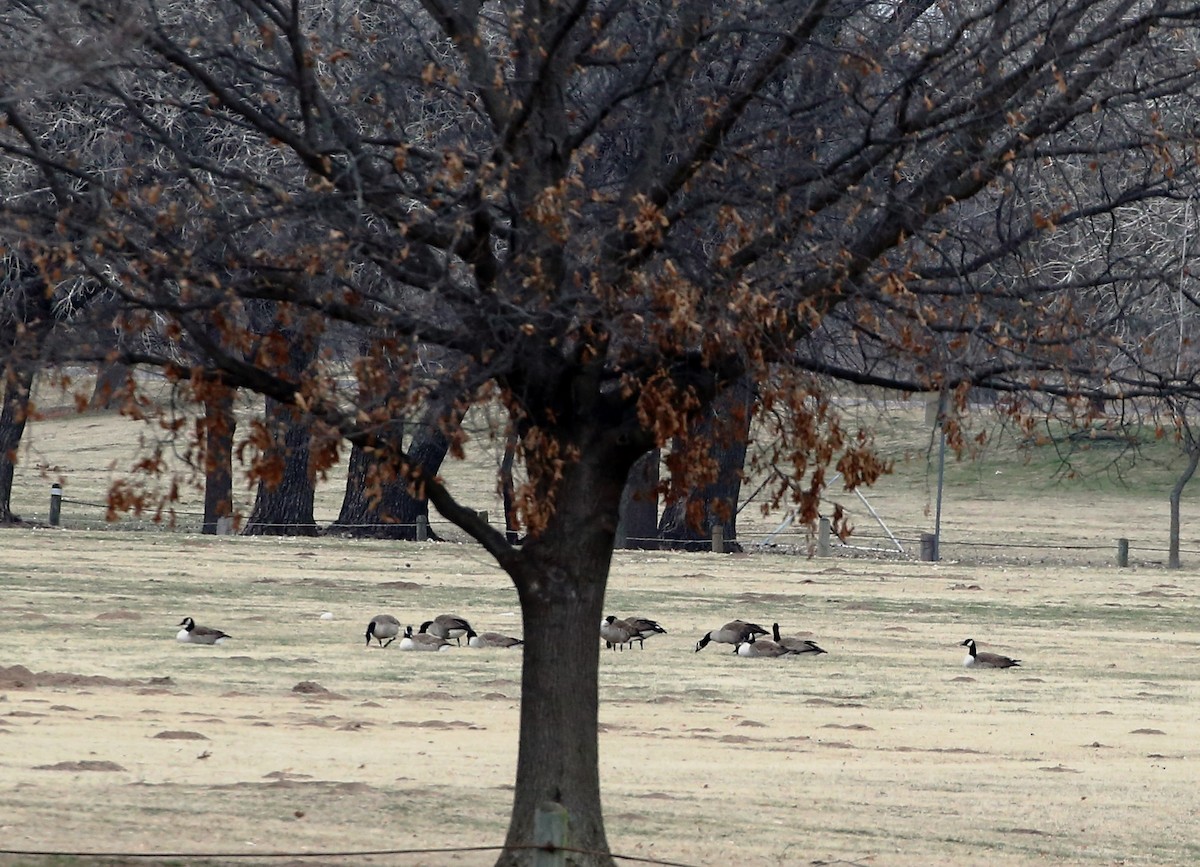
(295,737)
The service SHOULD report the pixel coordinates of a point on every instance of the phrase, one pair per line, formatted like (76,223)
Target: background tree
(603,215)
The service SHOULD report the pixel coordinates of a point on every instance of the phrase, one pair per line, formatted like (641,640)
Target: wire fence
(358,853)
(901,544)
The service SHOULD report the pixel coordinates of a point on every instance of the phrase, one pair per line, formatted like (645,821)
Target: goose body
(643,628)
(422,641)
(793,644)
(764,647)
(446,626)
(193,634)
(734,632)
(983,659)
(383,626)
(616,633)
(491,639)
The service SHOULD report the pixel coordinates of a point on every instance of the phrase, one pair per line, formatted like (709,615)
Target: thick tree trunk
(688,523)
(219,427)
(561,579)
(112,383)
(13,415)
(1173,561)
(284,502)
(639,504)
(376,504)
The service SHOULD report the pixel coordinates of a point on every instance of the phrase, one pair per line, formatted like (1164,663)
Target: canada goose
(616,633)
(490,639)
(446,626)
(734,632)
(422,641)
(644,628)
(383,626)
(193,634)
(975,659)
(764,647)
(795,645)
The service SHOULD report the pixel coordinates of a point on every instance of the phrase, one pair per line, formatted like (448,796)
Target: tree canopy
(604,215)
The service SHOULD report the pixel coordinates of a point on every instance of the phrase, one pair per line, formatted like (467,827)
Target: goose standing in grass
(643,628)
(422,641)
(491,639)
(383,626)
(446,626)
(978,659)
(193,634)
(762,647)
(734,632)
(616,633)
(795,644)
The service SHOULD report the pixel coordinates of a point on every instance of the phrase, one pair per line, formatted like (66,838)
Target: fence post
(225,525)
(823,547)
(1122,553)
(550,822)
(718,539)
(422,528)
(483,516)
(55,504)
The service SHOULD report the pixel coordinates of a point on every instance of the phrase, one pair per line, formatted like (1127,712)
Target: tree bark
(12,427)
(220,423)
(111,385)
(689,521)
(508,490)
(283,505)
(639,504)
(560,577)
(1173,561)
(376,504)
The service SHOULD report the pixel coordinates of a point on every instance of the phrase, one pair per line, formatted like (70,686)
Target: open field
(115,738)
(884,751)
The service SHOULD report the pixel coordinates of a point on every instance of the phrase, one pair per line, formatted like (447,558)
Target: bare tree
(602,214)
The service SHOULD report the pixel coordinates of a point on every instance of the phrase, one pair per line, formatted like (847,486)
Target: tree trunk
(689,521)
(1173,561)
(376,505)
(284,502)
(561,577)
(220,424)
(111,386)
(639,504)
(12,427)
(508,490)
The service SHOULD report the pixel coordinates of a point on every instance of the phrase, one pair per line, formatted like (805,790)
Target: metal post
(937,521)
(824,549)
(718,539)
(1122,553)
(55,504)
(422,528)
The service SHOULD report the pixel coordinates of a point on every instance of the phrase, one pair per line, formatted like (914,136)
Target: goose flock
(436,634)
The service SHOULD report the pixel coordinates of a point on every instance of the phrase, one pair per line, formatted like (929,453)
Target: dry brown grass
(883,752)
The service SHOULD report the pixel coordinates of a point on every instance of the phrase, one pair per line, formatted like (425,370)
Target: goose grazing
(193,634)
(490,639)
(616,633)
(977,659)
(734,632)
(795,645)
(383,626)
(643,628)
(422,641)
(446,626)
(764,647)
